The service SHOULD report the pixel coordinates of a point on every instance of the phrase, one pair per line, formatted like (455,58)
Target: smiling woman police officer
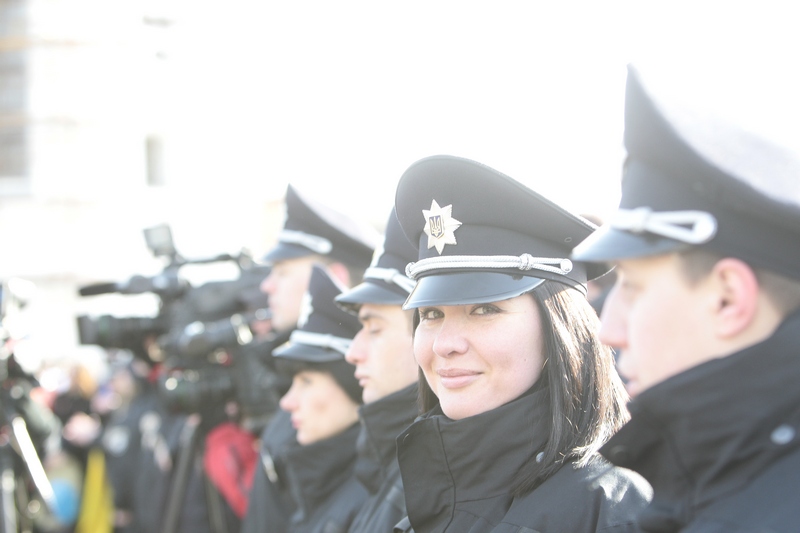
(518,392)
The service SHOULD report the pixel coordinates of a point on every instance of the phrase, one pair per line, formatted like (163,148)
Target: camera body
(202,336)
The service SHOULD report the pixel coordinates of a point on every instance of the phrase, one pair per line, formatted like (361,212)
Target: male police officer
(313,233)
(704,318)
(383,355)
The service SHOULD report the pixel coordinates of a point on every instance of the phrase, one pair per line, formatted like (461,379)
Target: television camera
(205,336)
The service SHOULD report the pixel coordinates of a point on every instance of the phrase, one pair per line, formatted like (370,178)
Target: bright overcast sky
(341,97)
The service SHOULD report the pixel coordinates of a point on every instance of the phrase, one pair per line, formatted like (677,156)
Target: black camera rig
(202,335)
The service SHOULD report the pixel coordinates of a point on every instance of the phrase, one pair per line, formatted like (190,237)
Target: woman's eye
(485,309)
(429,314)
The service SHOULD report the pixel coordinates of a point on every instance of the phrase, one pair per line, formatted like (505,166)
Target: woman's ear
(737,297)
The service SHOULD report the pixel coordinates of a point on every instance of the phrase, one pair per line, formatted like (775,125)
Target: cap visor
(608,244)
(461,288)
(283,251)
(309,354)
(370,293)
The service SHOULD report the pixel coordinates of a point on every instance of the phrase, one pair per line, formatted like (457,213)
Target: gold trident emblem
(436,225)
(440,226)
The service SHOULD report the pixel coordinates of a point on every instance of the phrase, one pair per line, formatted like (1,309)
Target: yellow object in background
(97,503)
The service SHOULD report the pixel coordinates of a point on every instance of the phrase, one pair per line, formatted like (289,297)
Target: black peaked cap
(745,188)
(314,228)
(458,210)
(324,330)
(385,281)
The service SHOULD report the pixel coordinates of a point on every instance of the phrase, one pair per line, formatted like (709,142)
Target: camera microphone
(98,288)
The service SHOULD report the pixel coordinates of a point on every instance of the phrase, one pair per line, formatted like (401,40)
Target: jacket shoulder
(768,503)
(339,510)
(610,499)
(382,510)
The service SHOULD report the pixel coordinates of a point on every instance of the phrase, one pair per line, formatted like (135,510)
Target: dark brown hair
(587,397)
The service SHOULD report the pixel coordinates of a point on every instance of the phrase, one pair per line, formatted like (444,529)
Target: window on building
(13,90)
(154,152)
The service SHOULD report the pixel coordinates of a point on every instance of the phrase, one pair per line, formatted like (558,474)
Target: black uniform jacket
(122,441)
(160,444)
(720,442)
(458,477)
(270,503)
(322,483)
(376,466)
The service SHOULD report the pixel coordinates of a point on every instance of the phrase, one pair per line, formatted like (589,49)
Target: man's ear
(340,272)
(737,291)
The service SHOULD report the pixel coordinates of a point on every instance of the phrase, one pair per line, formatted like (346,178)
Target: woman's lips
(456,378)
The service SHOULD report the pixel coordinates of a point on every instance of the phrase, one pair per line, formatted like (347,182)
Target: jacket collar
(497,439)
(709,430)
(381,423)
(469,459)
(317,469)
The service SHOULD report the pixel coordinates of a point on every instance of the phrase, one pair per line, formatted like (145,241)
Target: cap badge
(440,226)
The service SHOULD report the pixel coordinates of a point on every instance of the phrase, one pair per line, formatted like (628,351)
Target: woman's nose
(451,338)
(288,401)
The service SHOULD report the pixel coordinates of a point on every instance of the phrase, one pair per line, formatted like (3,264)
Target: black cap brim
(284,251)
(309,354)
(607,245)
(369,293)
(462,288)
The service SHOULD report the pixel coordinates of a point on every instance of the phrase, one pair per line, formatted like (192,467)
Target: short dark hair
(782,291)
(587,397)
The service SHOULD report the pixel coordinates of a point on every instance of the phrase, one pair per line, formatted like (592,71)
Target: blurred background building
(85,134)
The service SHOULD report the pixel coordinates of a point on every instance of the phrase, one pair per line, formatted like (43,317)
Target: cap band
(491,262)
(315,243)
(691,227)
(320,340)
(390,275)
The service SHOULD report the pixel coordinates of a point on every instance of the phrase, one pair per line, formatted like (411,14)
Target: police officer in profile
(313,234)
(383,356)
(323,402)
(704,317)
